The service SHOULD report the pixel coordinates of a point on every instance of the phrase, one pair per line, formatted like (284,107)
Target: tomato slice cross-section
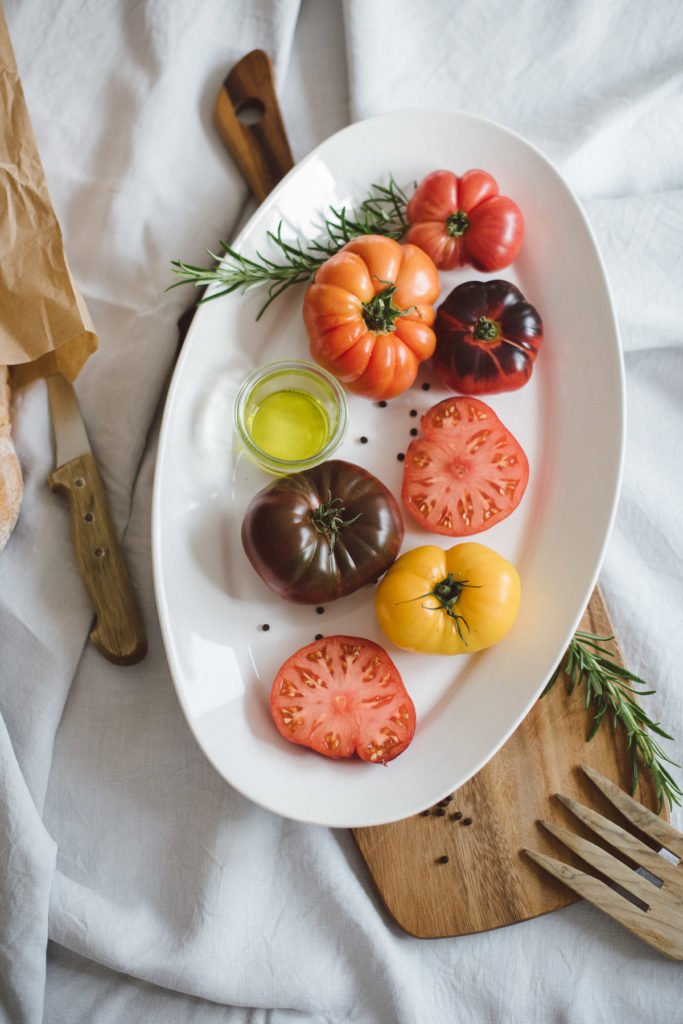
(343,695)
(466,472)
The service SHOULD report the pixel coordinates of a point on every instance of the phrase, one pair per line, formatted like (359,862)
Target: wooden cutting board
(487,882)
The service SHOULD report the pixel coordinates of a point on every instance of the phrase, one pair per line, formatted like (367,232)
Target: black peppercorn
(457,816)
(318,636)
(442,860)
(467,821)
(382,404)
(400,456)
(320,610)
(426,386)
(363,440)
(265,627)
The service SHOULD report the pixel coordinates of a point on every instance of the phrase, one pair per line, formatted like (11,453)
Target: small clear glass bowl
(304,380)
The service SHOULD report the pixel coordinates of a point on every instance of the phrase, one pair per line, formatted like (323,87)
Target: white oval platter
(569,419)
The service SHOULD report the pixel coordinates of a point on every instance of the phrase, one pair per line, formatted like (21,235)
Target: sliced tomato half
(466,472)
(343,695)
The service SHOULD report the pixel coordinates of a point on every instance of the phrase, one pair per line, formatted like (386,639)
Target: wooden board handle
(260,149)
(118,632)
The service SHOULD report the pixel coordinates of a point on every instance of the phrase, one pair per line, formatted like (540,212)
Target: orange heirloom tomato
(369,315)
(457,601)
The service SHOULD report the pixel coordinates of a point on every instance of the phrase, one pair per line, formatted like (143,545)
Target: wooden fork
(657,917)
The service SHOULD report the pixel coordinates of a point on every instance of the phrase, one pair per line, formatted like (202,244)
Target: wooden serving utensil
(247,116)
(261,148)
(657,916)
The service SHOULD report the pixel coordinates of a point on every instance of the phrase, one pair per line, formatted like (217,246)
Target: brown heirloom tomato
(488,337)
(369,315)
(464,222)
(318,535)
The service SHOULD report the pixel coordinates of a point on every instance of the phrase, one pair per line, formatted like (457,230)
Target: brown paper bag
(45,326)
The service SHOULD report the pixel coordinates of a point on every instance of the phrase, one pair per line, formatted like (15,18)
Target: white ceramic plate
(569,418)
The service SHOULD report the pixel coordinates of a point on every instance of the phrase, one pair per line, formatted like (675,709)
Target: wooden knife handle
(118,632)
(261,150)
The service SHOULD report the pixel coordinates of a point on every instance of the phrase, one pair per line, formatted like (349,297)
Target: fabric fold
(171,897)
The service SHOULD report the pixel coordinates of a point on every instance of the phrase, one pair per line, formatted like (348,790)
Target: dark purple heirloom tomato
(487,338)
(323,533)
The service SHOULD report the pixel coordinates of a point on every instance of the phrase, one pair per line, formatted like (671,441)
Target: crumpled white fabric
(165,895)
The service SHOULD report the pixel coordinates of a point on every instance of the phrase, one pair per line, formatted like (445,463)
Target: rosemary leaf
(609,689)
(382,212)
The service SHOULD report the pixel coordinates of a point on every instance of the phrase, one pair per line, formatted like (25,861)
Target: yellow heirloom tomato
(448,602)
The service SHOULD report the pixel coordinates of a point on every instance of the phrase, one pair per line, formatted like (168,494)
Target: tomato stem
(328,519)
(486,329)
(380,313)
(457,224)
(447,593)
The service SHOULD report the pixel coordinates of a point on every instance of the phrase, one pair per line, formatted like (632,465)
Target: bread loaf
(11,482)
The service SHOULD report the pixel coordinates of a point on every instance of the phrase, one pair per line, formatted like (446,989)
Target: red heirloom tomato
(324,533)
(343,695)
(463,221)
(466,473)
(487,338)
(369,315)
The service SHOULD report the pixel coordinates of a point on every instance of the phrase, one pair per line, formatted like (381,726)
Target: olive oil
(290,425)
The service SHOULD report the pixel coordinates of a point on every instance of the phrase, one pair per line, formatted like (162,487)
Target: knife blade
(118,631)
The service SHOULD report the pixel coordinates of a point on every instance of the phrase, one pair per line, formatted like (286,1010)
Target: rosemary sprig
(383,212)
(609,688)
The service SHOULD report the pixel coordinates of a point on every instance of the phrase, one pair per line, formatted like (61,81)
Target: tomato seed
(363,440)
(457,816)
(442,860)
(467,821)
(400,456)
(320,610)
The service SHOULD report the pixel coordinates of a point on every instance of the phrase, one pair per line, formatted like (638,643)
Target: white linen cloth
(165,895)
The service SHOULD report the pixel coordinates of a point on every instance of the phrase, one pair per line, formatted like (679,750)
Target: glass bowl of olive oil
(290,416)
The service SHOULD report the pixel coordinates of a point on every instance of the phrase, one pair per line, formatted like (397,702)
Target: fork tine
(653,928)
(604,862)
(644,819)
(626,843)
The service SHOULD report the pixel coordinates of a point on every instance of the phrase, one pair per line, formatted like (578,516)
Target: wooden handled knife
(118,631)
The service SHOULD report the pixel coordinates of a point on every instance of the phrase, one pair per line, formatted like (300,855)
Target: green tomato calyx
(447,593)
(380,313)
(457,224)
(486,329)
(328,519)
